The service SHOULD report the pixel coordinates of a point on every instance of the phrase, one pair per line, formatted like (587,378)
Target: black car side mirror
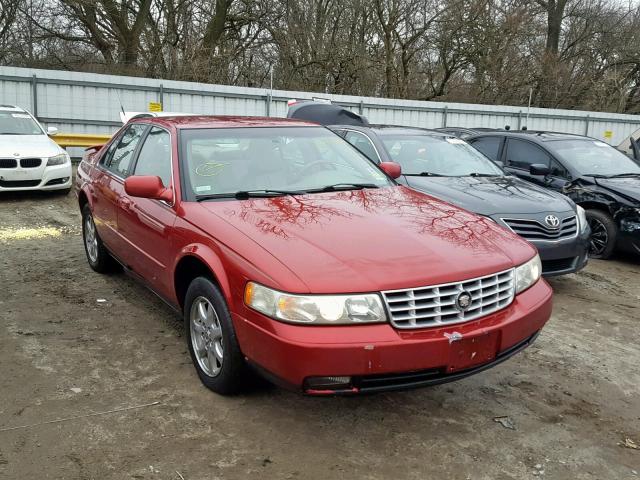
(539,169)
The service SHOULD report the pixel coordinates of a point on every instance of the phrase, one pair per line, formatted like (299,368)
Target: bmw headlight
(315,309)
(582,219)
(528,273)
(58,160)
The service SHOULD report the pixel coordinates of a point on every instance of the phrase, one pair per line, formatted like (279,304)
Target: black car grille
(30,162)
(534,230)
(558,265)
(8,163)
(19,183)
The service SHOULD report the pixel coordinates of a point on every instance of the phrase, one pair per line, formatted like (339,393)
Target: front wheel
(212,339)
(604,233)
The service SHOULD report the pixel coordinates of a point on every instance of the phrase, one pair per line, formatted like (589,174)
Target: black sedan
(596,176)
(448,168)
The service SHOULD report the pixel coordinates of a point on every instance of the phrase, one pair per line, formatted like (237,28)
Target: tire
(97,255)
(604,233)
(212,340)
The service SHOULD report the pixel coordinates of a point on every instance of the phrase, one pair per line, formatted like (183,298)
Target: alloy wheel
(206,336)
(91,238)
(599,237)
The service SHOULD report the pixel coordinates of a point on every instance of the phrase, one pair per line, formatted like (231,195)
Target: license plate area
(473,351)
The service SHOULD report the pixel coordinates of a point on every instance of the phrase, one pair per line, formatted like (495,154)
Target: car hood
(28,146)
(369,240)
(627,186)
(491,195)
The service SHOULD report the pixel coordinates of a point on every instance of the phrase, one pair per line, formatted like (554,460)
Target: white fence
(90,103)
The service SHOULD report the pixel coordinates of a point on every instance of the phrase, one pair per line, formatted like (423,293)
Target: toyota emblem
(463,301)
(552,221)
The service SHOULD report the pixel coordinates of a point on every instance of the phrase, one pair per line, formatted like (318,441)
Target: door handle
(125,204)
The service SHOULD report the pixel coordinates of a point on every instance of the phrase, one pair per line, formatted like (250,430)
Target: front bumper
(290,354)
(563,257)
(629,234)
(41,178)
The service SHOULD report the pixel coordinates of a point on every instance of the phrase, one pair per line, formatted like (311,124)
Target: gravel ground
(562,409)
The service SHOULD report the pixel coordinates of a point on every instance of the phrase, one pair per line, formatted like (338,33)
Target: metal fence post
(519,119)
(586,126)
(267,104)
(444,117)
(161,96)
(34,96)
(361,107)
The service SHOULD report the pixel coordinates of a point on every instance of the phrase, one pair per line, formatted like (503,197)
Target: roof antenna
(123,115)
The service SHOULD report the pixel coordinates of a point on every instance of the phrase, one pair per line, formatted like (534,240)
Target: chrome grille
(534,230)
(30,162)
(8,163)
(436,305)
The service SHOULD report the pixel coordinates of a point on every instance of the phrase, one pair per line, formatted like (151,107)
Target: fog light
(328,383)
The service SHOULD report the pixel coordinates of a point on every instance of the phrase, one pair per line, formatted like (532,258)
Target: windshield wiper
(476,174)
(244,194)
(337,187)
(424,174)
(624,175)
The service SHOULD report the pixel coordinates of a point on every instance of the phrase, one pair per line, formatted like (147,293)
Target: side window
(489,146)
(558,170)
(523,154)
(119,160)
(362,143)
(155,156)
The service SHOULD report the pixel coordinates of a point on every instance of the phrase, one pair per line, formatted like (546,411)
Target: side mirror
(52,131)
(539,169)
(392,169)
(147,186)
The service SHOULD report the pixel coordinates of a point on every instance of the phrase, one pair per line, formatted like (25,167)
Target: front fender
(210,258)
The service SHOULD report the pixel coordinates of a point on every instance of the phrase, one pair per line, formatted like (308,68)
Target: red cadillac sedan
(288,252)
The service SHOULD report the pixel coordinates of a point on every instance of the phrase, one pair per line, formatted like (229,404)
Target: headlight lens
(582,219)
(58,160)
(315,309)
(528,273)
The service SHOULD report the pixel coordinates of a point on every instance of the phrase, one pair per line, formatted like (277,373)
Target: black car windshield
(18,123)
(437,155)
(220,162)
(593,157)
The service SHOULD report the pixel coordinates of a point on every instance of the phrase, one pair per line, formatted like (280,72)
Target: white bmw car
(29,159)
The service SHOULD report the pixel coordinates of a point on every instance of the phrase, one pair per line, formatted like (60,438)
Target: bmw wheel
(603,234)
(211,338)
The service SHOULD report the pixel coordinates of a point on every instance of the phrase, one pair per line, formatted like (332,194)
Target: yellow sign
(155,107)
(608,134)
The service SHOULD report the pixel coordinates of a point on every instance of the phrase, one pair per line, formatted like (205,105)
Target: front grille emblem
(463,301)
(552,221)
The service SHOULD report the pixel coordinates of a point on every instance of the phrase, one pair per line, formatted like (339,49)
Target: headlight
(528,273)
(315,309)
(582,219)
(58,160)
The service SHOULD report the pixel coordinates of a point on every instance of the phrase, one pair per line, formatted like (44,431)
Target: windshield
(223,162)
(593,157)
(18,123)
(446,156)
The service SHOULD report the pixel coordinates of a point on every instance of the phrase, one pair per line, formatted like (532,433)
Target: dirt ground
(571,400)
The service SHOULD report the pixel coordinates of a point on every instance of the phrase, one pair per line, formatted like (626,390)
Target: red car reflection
(289,253)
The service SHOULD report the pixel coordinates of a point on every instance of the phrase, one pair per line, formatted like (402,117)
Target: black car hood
(491,195)
(626,186)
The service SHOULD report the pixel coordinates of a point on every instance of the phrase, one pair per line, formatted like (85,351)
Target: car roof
(222,121)
(393,129)
(535,135)
(12,108)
